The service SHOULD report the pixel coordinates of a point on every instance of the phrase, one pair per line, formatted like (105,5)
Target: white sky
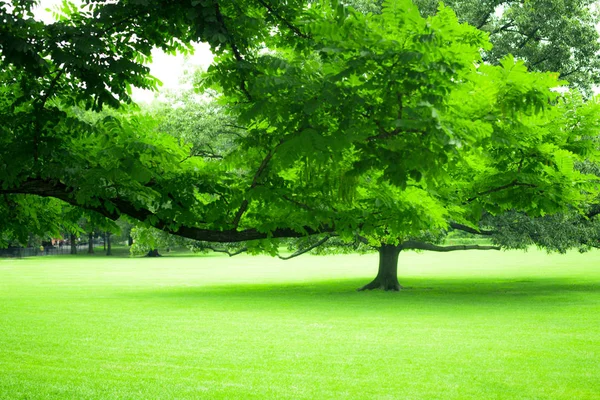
(168,69)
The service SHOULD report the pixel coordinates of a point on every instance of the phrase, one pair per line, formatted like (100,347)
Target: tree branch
(514,183)
(234,49)
(259,171)
(282,19)
(119,206)
(528,37)
(503,27)
(383,134)
(230,254)
(468,229)
(562,76)
(306,250)
(297,203)
(416,245)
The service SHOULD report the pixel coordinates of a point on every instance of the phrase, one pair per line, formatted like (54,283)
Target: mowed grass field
(470,325)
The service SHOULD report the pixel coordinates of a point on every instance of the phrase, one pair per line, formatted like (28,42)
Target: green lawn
(471,325)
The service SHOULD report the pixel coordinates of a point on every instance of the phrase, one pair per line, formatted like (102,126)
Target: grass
(472,325)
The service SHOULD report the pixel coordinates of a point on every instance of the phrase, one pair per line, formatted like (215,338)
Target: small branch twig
(500,188)
(297,203)
(245,203)
(282,19)
(263,166)
(306,250)
(230,254)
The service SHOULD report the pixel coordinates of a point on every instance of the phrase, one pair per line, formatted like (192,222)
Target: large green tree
(390,126)
(387,125)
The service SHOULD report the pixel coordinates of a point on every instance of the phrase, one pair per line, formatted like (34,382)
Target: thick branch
(468,229)
(564,75)
(416,245)
(47,188)
(503,27)
(384,134)
(528,37)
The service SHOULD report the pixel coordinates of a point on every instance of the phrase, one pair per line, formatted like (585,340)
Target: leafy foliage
(548,35)
(383,126)
(390,125)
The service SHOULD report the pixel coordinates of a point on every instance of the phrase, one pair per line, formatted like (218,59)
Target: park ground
(470,325)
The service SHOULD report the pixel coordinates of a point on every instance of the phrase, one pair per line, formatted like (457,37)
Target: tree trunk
(153,253)
(129,241)
(105,234)
(387,276)
(73,244)
(91,243)
(108,245)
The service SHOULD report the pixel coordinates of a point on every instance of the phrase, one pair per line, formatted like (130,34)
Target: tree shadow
(534,292)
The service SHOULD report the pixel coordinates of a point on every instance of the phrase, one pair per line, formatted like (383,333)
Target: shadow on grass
(339,293)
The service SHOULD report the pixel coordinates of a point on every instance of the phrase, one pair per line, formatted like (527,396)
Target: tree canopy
(548,35)
(390,126)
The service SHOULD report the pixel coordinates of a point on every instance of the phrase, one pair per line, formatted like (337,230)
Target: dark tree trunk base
(387,275)
(91,243)
(73,244)
(377,284)
(108,244)
(153,253)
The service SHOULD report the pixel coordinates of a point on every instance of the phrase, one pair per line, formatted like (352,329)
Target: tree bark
(387,275)
(108,245)
(153,253)
(73,244)
(91,243)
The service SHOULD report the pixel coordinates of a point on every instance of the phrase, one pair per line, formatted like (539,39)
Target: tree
(148,241)
(409,135)
(548,35)
(384,125)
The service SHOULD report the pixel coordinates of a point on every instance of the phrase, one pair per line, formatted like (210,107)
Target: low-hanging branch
(468,229)
(306,250)
(229,253)
(119,206)
(416,245)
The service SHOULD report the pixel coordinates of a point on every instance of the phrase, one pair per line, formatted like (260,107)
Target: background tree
(148,241)
(548,35)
